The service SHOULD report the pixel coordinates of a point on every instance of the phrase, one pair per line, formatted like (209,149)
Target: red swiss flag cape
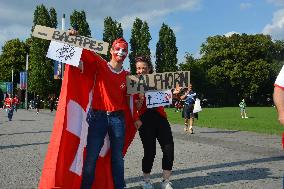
(63,163)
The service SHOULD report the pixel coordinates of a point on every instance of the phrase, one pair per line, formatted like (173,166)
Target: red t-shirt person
(8,103)
(109,87)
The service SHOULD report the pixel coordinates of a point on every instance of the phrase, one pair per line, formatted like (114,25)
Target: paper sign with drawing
(158,98)
(64,53)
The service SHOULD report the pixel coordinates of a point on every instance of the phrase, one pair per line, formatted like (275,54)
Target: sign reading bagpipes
(157,82)
(47,33)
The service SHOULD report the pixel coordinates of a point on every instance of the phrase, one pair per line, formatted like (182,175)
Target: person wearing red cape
(93,126)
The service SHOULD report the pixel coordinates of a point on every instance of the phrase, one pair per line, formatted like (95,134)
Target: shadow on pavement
(29,132)
(221,177)
(25,120)
(21,145)
(227,132)
(216,177)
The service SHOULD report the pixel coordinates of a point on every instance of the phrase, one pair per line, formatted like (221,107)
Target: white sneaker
(166,184)
(147,185)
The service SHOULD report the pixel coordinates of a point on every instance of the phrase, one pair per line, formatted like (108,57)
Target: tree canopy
(13,57)
(166,50)
(240,66)
(112,31)
(40,75)
(139,42)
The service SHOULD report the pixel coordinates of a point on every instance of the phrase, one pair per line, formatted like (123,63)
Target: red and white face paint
(120,51)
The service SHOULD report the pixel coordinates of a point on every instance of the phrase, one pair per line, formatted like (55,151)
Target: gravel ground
(210,158)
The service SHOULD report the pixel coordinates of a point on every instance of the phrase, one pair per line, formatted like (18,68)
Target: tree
(197,75)
(112,31)
(79,20)
(166,50)
(40,76)
(13,57)
(139,42)
(53,18)
(239,66)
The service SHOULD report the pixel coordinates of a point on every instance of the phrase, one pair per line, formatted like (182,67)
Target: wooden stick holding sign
(157,81)
(47,33)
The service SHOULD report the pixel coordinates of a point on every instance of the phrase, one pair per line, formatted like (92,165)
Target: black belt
(109,113)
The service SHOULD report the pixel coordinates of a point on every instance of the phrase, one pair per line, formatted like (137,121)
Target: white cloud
(276,2)
(158,11)
(229,34)
(18,15)
(176,29)
(244,6)
(276,28)
(153,15)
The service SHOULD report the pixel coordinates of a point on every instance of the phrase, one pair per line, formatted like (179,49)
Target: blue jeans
(10,113)
(100,123)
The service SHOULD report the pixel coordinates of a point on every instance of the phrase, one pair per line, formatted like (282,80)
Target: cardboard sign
(157,82)
(158,98)
(65,53)
(47,33)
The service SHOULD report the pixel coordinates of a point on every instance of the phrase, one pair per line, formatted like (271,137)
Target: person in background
(153,125)
(187,113)
(16,103)
(37,103)
(51,103)
(1,98)
(8,105)
(177,102)
(242,106)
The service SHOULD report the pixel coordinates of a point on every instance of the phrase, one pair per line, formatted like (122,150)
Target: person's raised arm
(87,56)
(182,97)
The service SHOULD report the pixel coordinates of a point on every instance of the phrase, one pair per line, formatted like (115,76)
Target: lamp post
(63,29)
(12,82)
(26,93)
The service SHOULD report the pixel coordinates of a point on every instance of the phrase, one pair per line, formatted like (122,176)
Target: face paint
(120,51)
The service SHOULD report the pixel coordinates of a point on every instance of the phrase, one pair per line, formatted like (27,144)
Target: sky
(191,20)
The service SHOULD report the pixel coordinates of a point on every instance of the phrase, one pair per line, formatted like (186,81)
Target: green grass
(261,119)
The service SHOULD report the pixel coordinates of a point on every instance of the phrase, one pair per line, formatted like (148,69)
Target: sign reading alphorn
(157,81)
(47,33)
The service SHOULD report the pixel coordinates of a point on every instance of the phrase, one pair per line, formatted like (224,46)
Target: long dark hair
(147,60)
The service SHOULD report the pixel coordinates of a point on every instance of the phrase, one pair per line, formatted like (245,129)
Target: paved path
(210,158)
